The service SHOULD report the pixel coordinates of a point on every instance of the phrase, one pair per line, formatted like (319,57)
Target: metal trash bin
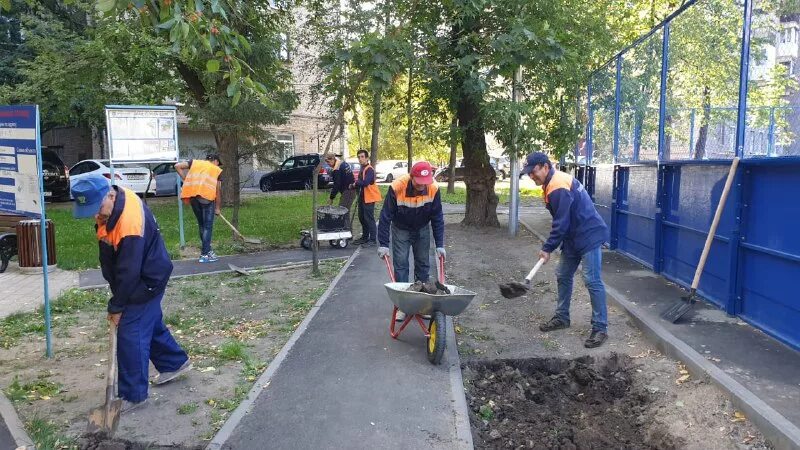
(29,243)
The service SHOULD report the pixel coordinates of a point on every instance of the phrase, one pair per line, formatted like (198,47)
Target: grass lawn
(275,219)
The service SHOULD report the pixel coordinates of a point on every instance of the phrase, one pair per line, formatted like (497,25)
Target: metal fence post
(658,259)
(734,301)
(617,100)
(771,132)
(589,132)
(691,134)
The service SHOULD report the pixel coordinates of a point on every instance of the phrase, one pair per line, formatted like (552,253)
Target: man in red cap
(412,207)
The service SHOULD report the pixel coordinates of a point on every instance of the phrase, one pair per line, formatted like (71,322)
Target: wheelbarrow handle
(441,269)
(388,262)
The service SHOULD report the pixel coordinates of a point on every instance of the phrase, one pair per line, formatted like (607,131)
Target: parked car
(390,170)
(55,176)
(296,173)
(132,176)
(356,167)
(166,179)
(443,174)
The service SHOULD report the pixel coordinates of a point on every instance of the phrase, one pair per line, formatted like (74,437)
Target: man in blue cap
(580,232)
(135,262)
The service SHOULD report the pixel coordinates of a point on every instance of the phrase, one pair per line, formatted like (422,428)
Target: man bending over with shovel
(580,231)
(412,207)
(136,265)
(202,189)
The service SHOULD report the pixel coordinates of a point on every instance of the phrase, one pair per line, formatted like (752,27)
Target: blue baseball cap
(88,193)
(533,160)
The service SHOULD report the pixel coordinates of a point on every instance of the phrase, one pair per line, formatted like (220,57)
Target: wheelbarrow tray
(411,302)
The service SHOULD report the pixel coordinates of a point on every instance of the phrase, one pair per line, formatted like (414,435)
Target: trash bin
(29,243)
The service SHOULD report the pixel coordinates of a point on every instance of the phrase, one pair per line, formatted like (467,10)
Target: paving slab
(346,383)
(188,267)
(760,373)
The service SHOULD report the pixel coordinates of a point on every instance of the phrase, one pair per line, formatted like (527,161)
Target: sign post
(144,134)
(21,190)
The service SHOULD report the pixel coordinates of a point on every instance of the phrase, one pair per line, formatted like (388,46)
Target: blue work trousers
(592,269)
(419,242)
(204,212)
(142,337)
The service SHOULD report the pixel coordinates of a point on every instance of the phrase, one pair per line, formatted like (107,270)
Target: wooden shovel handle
(231,225)
(715,223)
(111,378)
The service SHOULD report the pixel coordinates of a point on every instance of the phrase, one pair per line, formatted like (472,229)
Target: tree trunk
(228,147)
(479,176)
(702,135)
(376,127)
(451,175)
(409,114)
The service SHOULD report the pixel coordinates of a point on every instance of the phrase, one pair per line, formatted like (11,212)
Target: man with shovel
(135,262)
(580,232)
(202,188)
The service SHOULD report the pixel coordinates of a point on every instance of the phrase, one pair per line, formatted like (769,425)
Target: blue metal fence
(659,136)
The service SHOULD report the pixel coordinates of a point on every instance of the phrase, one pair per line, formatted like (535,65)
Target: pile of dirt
(431,287)
(560,403)
(101,441)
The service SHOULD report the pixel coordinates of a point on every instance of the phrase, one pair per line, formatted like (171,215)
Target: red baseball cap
(422,172)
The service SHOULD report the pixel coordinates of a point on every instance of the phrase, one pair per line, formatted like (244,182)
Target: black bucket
(331,218)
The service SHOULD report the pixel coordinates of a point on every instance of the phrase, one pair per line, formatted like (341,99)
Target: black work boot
(554,324)
(596,339)
(360,241)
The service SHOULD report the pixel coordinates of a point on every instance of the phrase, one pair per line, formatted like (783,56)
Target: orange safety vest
(130,222)
(400,187)
(201,180)
(371,192)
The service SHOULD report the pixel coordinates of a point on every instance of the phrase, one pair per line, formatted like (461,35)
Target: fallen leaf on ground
(738,416)
(682,379)
(208,369)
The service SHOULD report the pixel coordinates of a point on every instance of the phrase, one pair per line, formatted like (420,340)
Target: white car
(132,176)
(390,170)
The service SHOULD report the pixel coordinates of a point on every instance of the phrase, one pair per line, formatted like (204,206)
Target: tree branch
(193,81)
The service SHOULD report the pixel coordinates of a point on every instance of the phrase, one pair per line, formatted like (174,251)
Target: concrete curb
(782,433)
(256,269)
(9,415)
(263,381)
(459,399)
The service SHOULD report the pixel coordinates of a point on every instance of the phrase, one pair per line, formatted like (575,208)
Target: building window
(287,140)
(283,49)
(789,67)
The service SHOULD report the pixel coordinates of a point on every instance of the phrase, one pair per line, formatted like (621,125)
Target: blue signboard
(19,168)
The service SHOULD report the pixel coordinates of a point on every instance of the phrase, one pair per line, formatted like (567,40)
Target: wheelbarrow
(417,304)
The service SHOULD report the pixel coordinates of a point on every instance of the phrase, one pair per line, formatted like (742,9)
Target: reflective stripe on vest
(129,223)
(201,180)
(417,201)
(371,192)
(559,180)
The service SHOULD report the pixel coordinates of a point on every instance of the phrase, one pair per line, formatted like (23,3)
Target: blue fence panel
(770,254)
(691,196)
(604,191)
(636,212)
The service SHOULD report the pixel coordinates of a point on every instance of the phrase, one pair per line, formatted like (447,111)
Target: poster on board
(19,169)
(142,133)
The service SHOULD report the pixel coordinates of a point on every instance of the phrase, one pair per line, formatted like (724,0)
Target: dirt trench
(103,442)
(555,403)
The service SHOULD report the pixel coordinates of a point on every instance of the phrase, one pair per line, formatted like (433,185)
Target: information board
(142,133)
(19,169)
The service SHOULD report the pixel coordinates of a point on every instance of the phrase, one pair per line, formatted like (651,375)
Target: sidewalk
(345,383)
(761,374)
(24,292)
(270,258)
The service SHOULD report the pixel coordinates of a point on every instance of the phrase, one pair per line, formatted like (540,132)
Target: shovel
(515,289)
(238,270)
(236,232)
(105,418)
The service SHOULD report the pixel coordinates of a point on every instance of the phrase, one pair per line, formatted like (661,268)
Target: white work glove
(441,252)
(383,252)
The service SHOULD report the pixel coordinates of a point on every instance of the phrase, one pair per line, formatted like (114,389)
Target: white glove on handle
(383,252)
(441,252)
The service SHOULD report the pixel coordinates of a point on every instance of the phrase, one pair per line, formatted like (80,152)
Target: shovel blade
(238,270)
(105,418)
(679,309)
(513,289)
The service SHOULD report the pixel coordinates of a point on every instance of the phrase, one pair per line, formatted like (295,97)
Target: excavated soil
(554,403)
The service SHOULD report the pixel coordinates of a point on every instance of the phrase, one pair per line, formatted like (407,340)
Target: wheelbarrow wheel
(334,243)
(437,330)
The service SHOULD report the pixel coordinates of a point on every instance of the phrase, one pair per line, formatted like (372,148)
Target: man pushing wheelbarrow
(412,207)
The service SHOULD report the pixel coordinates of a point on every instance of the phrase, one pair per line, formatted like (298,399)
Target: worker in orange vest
(202,188)
(369,194)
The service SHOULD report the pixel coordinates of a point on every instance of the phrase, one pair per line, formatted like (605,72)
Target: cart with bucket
(332,226)
(418,304)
